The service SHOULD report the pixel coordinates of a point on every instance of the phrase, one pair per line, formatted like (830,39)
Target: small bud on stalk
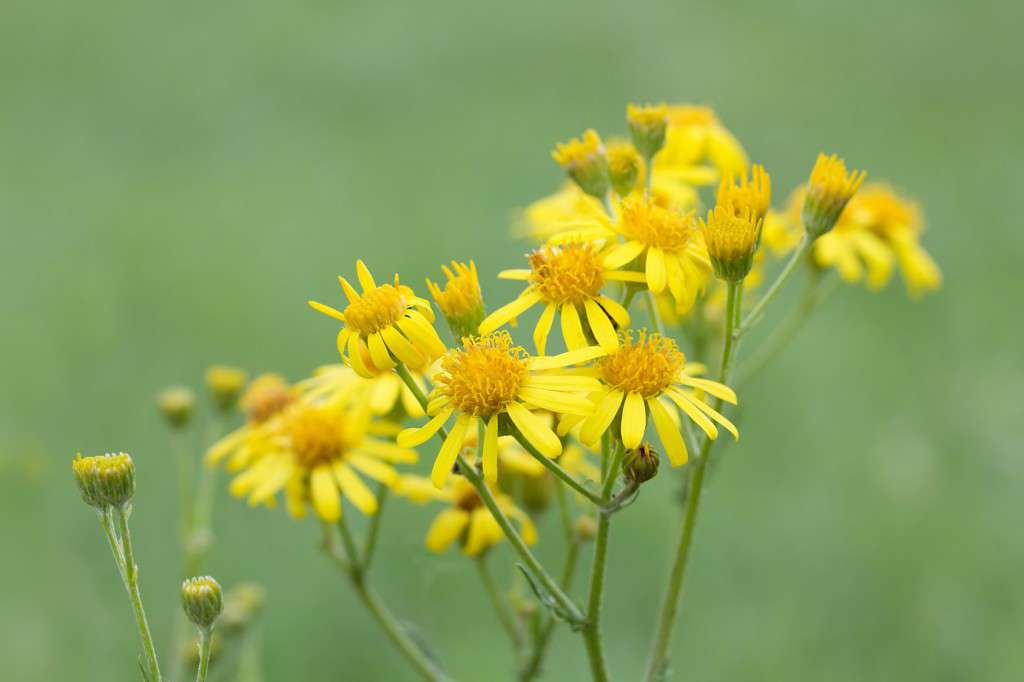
(647,125)
(829,189)
(624,164)
(641,464)
(586,162)
(226,384)
(202,600)
(177,404)
(105,480)
(732,239)
(461,301)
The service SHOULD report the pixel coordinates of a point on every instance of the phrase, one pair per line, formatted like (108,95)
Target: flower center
(646,366)
(656,225)
(465,496)
(316,436)
(571,273)
(484,375)
(376,309)
(266,396)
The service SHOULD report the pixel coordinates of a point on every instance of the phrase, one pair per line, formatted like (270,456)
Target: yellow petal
(558,402)
(326,310)
(671,439)
(620,254)
(490,456)
(572,330)
(605,411)
(354,489)
(450,451)
(687,405)
(350,293)
(517,274)
(655,270)
(573,357)
(535,430)
(365,278)
(614,310)
(323,493)
(359,357)
(379,352)
(402,348)
(410,438)
(634,420)
(389,452)
(481,532)
(374,468)
(710,387)
(601,326)
(540,333)
(716,415)
(509,311)
(446,529)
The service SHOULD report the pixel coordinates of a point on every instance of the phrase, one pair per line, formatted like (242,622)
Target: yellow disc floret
(375,310)
(266,396)
(483,376)
(572,273)
(647,365)
(316,436)
(654,225)
(753,194)
(732,237)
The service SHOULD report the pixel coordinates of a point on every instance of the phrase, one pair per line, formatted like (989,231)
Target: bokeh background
(177,179)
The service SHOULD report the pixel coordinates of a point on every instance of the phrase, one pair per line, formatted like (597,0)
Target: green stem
(373,532)
(499,603)
(398,635)
(670,604)
(571,611)
(131,572)
(185,480)
(592,630)
(751,319)
(106,520)
(205,640)
(554,468)
(200,535)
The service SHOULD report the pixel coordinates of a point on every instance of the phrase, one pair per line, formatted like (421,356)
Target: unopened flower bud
(641,464)
(624,164)
(829,189)
(647,125)
(226,384)
(732,237)
(461,301)
(105,480)
(585,527)
(176,404)
(202,600)
(585,161)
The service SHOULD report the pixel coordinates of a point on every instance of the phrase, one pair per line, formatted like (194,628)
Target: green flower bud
(202,600)
(647,125)
(105,480)
(177,404)
(585,161)
(585,527)
(641,464)
(226,384)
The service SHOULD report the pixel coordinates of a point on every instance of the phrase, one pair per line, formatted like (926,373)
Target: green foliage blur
(176,179)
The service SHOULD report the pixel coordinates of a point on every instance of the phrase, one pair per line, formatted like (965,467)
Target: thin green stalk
(571,611)
(131,572)
(185,479)
(554,468)
(398,635)
(754,315)
(670,604)
(200,536)
(500,604)
(592,630)
(106,520)
(373,532)
(205,640)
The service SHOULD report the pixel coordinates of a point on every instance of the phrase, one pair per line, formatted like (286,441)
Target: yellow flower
(386,394)
(731,234)
(566,209)
(466,519)
(461,301)
(313,453)
(568,280)
(640,378)
(753,195)
(675,256)
(877,228)
(829,188)
(780,234)
(695,135)
(624,166)
(384,325)
(266,397)
(490,379)
(647,125)
(585,161)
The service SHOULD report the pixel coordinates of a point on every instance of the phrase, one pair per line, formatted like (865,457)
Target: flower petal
(535,430)
(602,327)
(446,529)
(354,489)
(510,311)
(634,420)
(323,493)
(671,439)
(543,328)
(410,438)
(572,329)
(605,411)
(450,451)
(490,451)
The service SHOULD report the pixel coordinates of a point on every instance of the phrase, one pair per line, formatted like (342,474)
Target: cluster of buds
(105,480)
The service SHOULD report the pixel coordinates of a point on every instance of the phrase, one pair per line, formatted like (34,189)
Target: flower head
(567,279)
(461,301)
(176,405)
(225,383)
(672,247)
(585,161)
(624,166)
(695,135)
(732,236)
(312,452)
(384,325)
(265,398)
(749,195)
(647,125)
(386,395)
(202,600)
(465,519)
(640,464)
(105,480)
(489,379)
(829,189)
(646,372)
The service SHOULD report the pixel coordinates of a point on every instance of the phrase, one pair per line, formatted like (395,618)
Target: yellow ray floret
(567,280)
(384,325)
(489,380)
(646,376)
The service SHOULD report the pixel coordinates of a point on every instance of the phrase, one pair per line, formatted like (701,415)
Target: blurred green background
(177,179)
